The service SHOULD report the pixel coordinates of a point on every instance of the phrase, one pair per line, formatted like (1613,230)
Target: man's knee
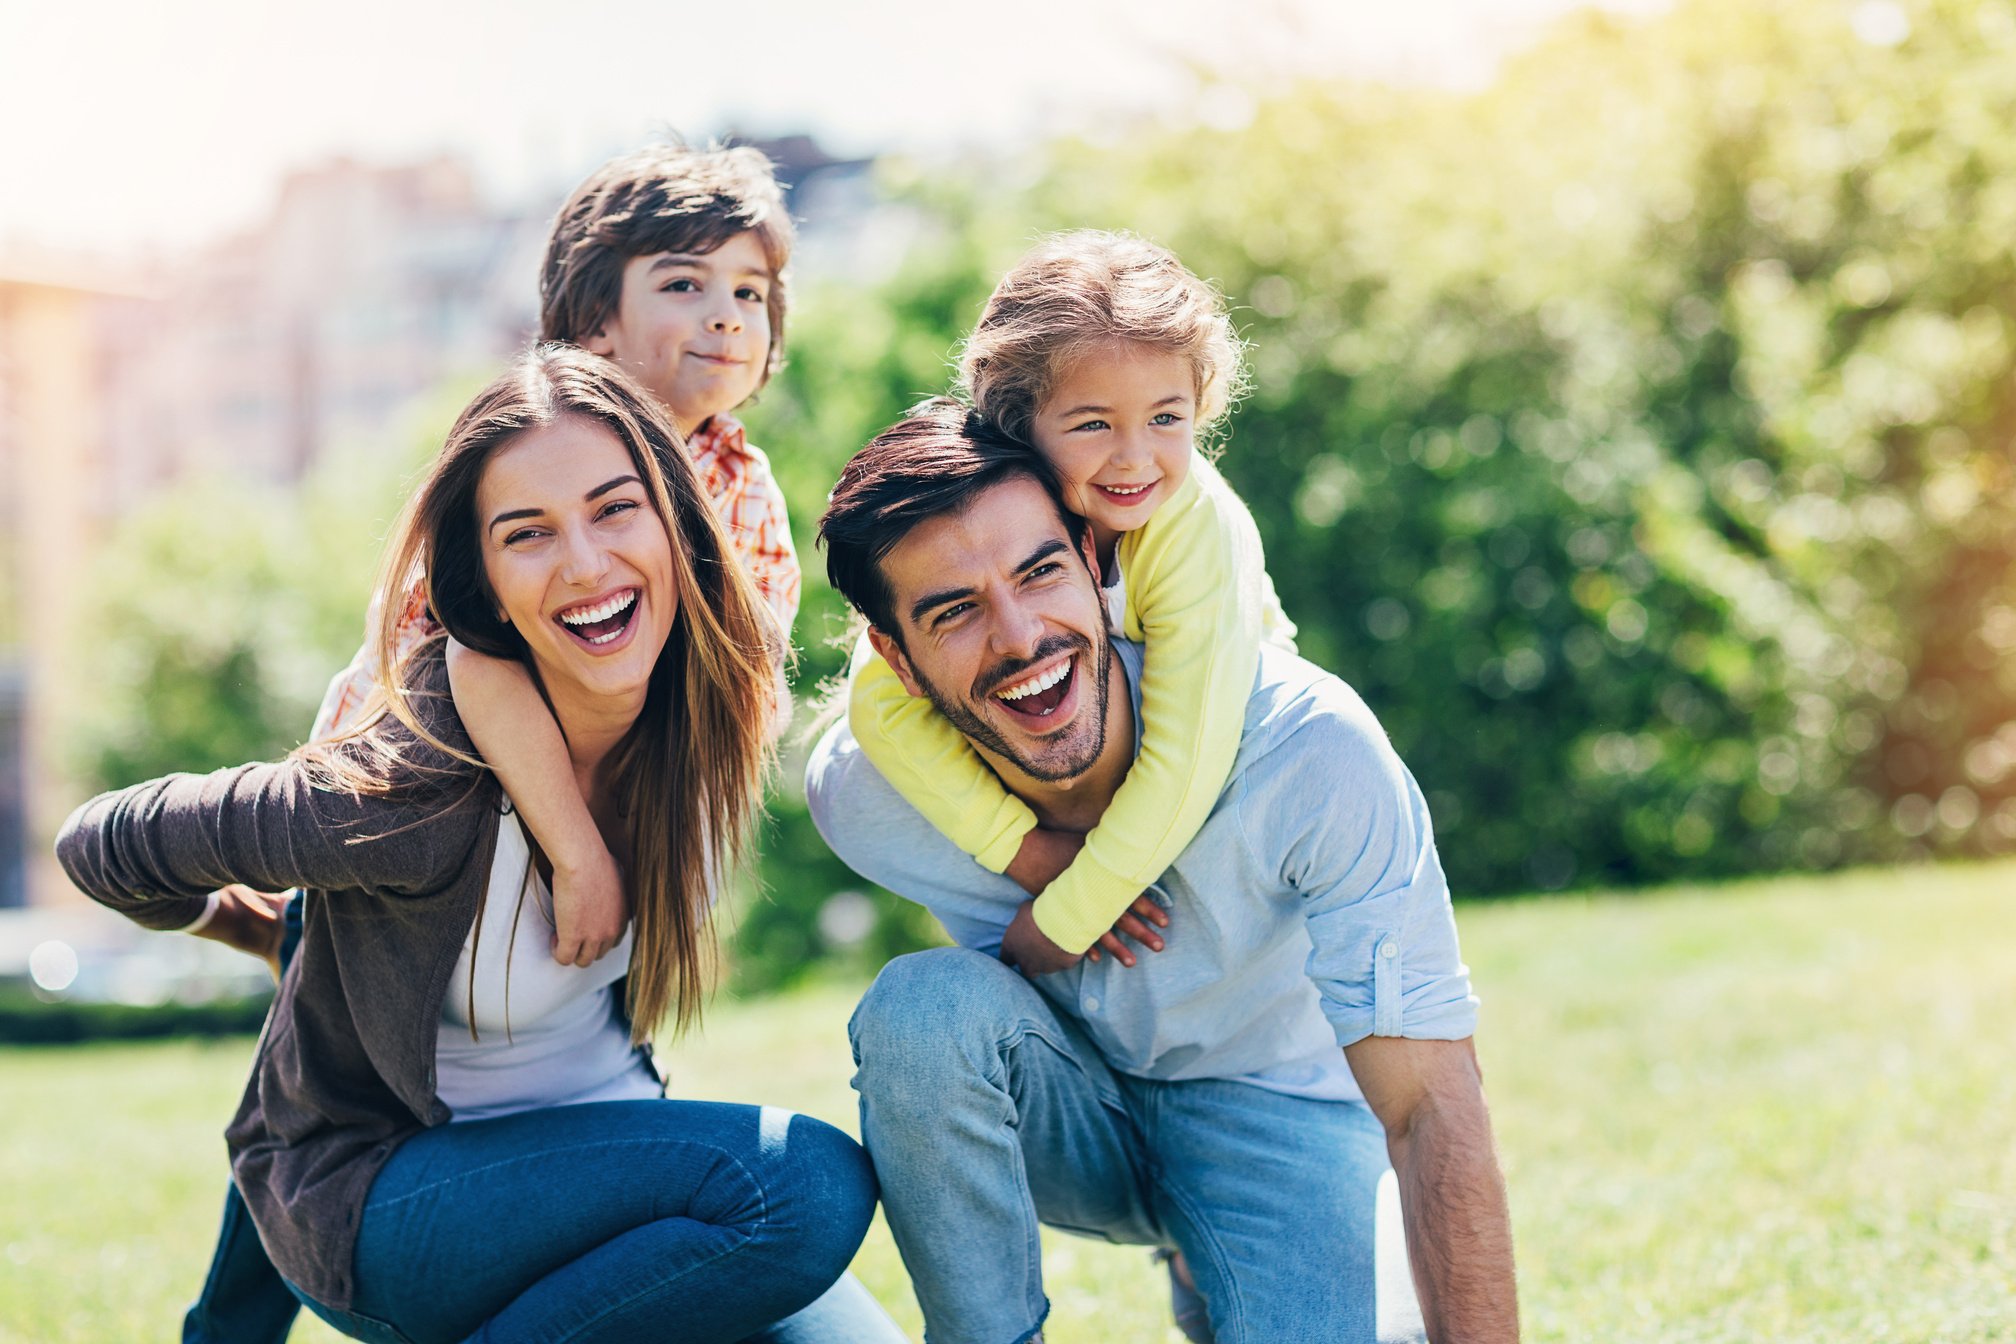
(936,1009)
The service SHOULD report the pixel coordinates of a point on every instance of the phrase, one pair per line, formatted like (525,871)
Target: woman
(448,1135)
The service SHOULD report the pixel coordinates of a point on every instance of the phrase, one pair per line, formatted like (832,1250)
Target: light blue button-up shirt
(1310,912)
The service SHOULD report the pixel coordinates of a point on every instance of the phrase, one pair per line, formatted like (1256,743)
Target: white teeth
(601,611)
(1123,490)
(1035,684)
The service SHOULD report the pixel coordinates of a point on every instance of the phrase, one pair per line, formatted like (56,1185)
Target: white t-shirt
(556,1038)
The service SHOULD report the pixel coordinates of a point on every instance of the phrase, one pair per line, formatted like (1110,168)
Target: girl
(1107,355)
(447,1134)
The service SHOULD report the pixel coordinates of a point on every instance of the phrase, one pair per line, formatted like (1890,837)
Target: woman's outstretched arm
(155,851)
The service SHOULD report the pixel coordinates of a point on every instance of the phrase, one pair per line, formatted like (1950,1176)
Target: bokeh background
(1632,414)
(1631,420)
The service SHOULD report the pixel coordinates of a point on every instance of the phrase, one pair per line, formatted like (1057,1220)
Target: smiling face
(579,561)
(694,328)
(1119,426)
(1002,629)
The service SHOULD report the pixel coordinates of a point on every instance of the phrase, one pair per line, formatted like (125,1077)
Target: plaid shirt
(736,476)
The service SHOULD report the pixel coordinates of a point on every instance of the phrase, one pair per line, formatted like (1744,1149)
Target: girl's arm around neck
(1195,576)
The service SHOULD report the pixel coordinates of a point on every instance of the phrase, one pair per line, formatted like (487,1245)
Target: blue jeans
(810,1180)
(987,1112)
(615,1221)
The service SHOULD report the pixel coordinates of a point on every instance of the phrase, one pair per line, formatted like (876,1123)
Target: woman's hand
(590,908)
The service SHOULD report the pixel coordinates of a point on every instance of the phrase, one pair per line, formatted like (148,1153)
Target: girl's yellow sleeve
(931,764)
(1197,591)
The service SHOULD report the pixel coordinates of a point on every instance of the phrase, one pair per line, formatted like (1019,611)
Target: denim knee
(932,1017)
(925,1001)
(832,1200)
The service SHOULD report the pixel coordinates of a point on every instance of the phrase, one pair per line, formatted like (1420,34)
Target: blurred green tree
(1633,434)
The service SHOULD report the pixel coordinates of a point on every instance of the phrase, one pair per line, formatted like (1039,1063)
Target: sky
(129,126)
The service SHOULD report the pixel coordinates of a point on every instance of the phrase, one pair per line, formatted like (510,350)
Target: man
(1197,1101)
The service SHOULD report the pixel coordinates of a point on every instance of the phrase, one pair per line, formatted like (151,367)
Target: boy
(670,262)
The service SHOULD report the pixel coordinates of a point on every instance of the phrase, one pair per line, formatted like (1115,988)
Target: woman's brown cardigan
(345,1068)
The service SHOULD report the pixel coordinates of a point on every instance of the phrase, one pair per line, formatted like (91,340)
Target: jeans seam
(660,1286)
(730,1157)
(1039,1303)
(1235,1310)
(1027,1028)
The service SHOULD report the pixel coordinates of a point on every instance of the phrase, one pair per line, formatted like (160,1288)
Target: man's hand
(589,909)
(249,921)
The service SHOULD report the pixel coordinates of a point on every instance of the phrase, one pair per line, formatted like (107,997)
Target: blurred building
(69,337)
(324,331)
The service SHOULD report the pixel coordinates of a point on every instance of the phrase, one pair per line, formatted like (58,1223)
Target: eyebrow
(924,605)
(1108,410)
(512,515)
(672,261)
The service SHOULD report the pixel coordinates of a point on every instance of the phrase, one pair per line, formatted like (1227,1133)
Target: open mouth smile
(601,623)
(1126,494)
(1041,695)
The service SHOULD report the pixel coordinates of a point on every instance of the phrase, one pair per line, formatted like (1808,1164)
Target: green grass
(1780,1111)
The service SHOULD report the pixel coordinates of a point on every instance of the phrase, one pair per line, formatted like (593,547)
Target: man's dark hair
(936,460)
(667,198)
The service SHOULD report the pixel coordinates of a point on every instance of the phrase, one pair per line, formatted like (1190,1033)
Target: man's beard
(1078,757)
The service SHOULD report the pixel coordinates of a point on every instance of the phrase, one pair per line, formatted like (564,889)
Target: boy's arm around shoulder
(518,737)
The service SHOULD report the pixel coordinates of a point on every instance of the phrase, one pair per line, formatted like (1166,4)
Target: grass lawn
(1781,1111)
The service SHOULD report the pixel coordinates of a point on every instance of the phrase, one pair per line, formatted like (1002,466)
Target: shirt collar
(722,435)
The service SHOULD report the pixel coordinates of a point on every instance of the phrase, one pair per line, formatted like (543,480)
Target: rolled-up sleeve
(1355,841)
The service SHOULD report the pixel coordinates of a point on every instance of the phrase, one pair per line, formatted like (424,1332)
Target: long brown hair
(689,775)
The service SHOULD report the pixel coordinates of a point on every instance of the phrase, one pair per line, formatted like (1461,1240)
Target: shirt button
(1389,949)
(1091,1003)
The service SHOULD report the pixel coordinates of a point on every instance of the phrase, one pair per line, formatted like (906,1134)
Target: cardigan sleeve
(156,850)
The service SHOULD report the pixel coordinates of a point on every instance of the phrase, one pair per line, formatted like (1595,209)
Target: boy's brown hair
(666,198)
(1083,289)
